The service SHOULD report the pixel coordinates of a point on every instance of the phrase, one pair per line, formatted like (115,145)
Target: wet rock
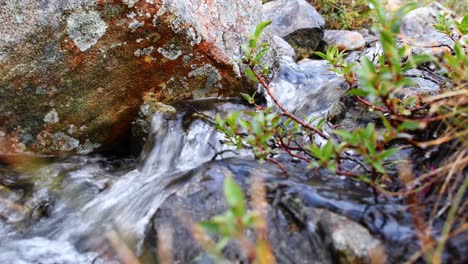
(345,39)
(141,127)
(307,87)
(351,242)
(73,73)
(298,23)
(152,112)
(348,114)
(297,230)
(202,198)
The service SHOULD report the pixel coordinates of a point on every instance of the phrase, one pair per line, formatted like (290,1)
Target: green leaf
(386,123)
(313,164)
(459,51)
(252,44)
(260,27)
(344,135)
(260,54)
(358,92)
(251,74)
(320,123)
(321,55)
(245,49)
(258,123)
(364,178)
(463,25)
(381,15)
(442,23)
(250,219)
(247,97)
(370,147)
(266,69)
(387,153)
(369,131)
(210,227)
(223,242)
(378,166)
(243,123)
(332,166)
(327,151)
(416,60)
(315,150)
(263,45)
(232,118)
(410,125)
(234,196)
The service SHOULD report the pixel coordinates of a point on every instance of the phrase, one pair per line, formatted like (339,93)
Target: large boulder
(73,72)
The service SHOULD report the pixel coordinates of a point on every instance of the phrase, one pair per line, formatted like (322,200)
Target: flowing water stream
(97,199)
(69,208)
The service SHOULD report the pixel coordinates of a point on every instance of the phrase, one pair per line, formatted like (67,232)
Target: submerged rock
(73,73)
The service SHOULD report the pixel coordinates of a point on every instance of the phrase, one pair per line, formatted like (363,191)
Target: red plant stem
(367,103)
(281,107)
(288,150)
(347,173)
(278,164)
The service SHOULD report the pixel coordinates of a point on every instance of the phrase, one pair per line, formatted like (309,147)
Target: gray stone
(288,16)
(418,31)
(345,39)
(351,242)
(298,23)
(282,47)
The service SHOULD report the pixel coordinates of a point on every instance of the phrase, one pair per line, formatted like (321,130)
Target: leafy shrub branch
(376,84)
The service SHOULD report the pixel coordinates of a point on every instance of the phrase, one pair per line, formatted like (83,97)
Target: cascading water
(308,88)
(131,200)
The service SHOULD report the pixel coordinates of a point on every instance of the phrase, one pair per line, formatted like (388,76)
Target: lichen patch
(143,52)
(170,53)
(85,28)
(51,117)
(130,3)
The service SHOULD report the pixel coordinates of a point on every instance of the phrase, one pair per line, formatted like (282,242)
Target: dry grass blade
(165,245)
(126,256)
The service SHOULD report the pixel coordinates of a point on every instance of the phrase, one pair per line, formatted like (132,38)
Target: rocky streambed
(74,207)
(93,77)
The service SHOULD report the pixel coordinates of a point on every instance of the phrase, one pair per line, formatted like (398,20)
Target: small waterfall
(307,88)
(129,203)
